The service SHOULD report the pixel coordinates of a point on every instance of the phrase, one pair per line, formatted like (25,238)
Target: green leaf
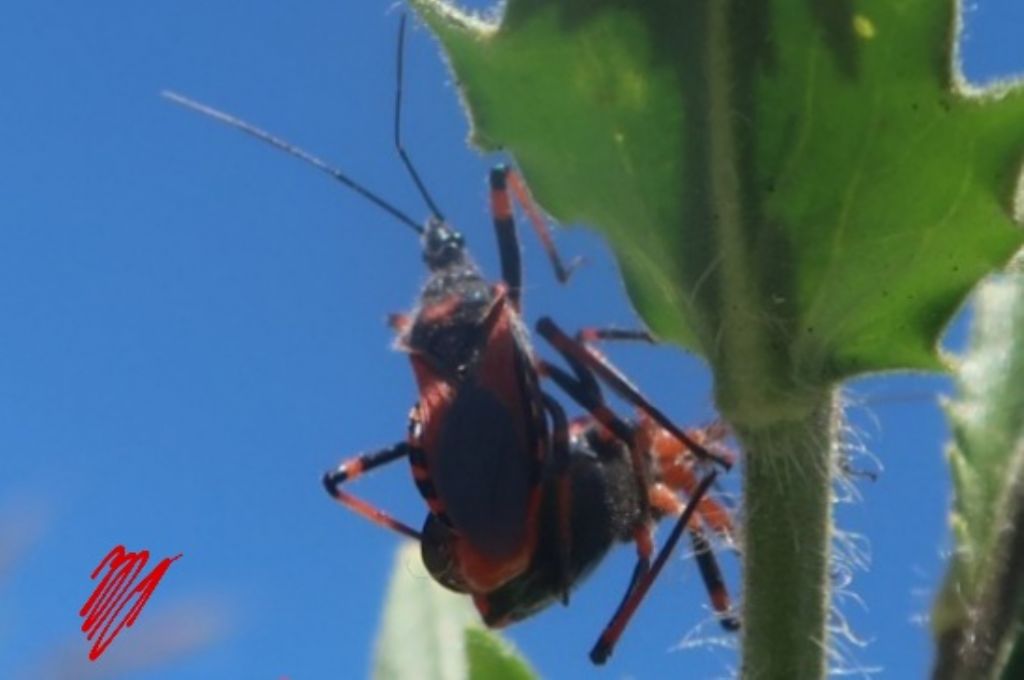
(798,191)
(977,616)
(491,658)
(429,633)
(422,634)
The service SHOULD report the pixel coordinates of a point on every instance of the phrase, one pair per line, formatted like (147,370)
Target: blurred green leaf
(422,634)
(977,615)
(491,658)
(429,633)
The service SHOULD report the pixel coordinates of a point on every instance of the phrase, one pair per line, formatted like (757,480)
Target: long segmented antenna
(293,150)
(398,126)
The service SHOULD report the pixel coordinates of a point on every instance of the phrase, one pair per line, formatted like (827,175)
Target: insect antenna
(293,150)
(399,77)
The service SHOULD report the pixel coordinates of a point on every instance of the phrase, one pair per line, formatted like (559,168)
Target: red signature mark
(115,591)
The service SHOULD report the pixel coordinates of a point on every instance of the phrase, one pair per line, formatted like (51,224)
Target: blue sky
(194,329)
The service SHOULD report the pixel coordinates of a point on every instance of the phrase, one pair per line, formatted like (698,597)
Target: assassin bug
(482,452)
(479,441)
(605,505)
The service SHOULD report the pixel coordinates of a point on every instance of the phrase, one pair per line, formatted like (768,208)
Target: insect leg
(358,465)
(504,179)
(711,574)
(643,578)
(677,468)
(578,353)
(585,335)
(522,195)
(558,468)
(505,229)
(707,564)
(583,389)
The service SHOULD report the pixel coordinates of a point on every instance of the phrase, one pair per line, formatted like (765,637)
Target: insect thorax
(450,324)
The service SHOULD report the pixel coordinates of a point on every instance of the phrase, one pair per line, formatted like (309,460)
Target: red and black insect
(605,504)
(488,448)
(479,439)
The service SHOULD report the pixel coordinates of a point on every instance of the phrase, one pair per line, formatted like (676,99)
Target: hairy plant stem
(786,544)
(982,647)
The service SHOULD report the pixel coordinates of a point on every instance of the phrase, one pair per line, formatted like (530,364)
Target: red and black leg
(584,390)
(503,180)
(683,477)
(579,354)
(358,465)
(643,578)
(586,335)
(522,194)
(663,498)
(557,470)
(711,574)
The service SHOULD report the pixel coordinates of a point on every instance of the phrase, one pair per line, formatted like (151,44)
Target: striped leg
(586,335)
(522,195)
(356,466)
(711,512)
(677,468)
(557,468)
(502,180)
(643,578)
(584,390)
(578,354)
(711,574)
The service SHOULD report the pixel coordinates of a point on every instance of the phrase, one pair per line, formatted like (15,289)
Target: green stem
(983,647)
(787,534)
